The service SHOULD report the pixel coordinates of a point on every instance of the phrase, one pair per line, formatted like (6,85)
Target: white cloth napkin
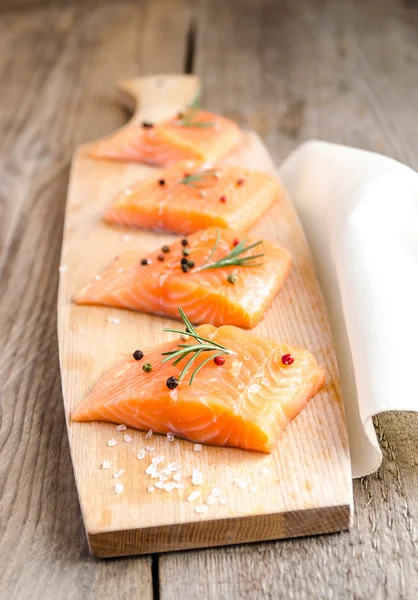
(360,214)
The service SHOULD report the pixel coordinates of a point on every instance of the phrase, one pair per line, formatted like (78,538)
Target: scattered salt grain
(184,337)
(127,191)
(193,496)
(98,277)
(174,466)
(149,448)
(253,488)
(149,434)
(156,474)
(112,442)
(151,469)
(151,488)
(202,508)
(265,471)
(216,492)
(243,484)
(121,427)
(119,488)
(118,473)
(106,464)
(127,438)
(235,368)
(126,238)
(159,485)
(169,487)
(62,268)
(167,471)
(177,477)
(211,500)
(141,454)
(170,436)
(197,477)
(113,320)
(197,448)
(158,459)
(179,486)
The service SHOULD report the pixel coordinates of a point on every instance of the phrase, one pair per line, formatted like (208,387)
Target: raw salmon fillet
(206,296)
(187,197)
(166,143)
(247,402)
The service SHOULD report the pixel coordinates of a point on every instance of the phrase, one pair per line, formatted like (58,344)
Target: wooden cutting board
(303,488)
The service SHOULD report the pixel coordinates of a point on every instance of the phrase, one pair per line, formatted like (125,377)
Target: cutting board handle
(173,93)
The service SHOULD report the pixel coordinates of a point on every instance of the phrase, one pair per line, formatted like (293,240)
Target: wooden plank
(54,66)
(308,489)
(343,72)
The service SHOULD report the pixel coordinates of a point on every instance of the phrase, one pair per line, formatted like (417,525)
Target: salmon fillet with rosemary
(187,197)
(210,287)
(245,400)
(202,135)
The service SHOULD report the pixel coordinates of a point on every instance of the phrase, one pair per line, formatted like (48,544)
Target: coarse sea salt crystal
(127,438)
(150,488)
(193,496)
(177,477)
(118,473)
(159,485)
(141,454)
(112,442)
(151,469)
(202,508)
(197,477)
(106,464)
(216,492)
(170,436)
(149,448)
(121,427)
(62,268)
(158,459)
(113,320)
(156,474)
(174,466)
(179,486)
(148,434)
(211,500)
(119,488)
(169,487)
(163,477)
(243,484)
(197,447)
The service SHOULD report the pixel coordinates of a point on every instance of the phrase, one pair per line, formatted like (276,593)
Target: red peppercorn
(287,359)
(219,361)
(235,242)
(222,199)
(160,257)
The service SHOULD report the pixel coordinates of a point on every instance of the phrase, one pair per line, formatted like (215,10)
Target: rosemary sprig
(199,179)
(234,258)
(192,351)
(186,118)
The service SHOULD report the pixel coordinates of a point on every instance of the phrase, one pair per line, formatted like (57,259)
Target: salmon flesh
(157,283)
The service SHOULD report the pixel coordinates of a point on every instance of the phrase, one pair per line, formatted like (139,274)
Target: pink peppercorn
(222,199)
(287,359)
(219,361)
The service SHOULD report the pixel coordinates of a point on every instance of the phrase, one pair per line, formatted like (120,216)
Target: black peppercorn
(172,383)
(144,261)
(165,249)
(147,125)
(190,263)
(185,268)
(183,261)
(160,257)
(184,242)
(186,252)
(161,182)
(138,354)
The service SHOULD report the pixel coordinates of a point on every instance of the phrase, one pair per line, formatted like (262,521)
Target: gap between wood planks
(188,69)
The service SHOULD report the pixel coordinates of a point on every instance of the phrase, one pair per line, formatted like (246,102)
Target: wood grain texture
(308,487)
(53,59)
(344,72)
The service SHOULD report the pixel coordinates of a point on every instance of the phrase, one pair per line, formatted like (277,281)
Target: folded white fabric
(360,214)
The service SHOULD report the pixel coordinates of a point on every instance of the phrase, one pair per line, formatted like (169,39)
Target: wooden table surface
(291,70)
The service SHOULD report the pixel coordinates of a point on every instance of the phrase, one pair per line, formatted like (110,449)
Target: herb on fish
(192,351)
(234,258)
(186,118)
(199,179)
